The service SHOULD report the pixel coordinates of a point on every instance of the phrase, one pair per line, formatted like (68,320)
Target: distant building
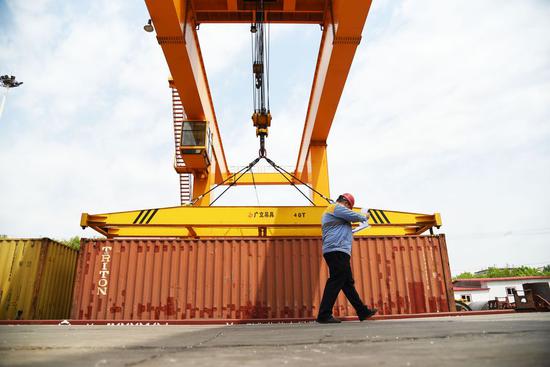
(487,289)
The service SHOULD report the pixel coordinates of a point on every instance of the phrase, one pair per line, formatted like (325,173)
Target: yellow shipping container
(36,279)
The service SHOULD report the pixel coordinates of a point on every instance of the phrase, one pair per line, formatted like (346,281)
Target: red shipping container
(254,278)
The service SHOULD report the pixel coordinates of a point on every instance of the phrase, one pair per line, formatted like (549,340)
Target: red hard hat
(349,197)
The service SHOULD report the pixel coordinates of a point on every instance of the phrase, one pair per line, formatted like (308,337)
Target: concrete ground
(487,340)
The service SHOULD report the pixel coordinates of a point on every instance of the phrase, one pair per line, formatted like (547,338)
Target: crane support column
(317,171)
(202,183)
(343,25)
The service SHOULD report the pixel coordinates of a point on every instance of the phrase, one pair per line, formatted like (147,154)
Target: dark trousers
(340,278)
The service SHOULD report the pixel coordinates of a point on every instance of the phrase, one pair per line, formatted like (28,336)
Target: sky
(446,109)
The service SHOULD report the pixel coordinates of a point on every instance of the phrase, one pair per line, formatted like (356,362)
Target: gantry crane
(199,149)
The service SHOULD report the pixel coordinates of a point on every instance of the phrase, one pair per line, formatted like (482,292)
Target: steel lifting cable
(255,188)
(253,76)
(246,169)
(297,179)
(267,63)
(224,181)
(290,182)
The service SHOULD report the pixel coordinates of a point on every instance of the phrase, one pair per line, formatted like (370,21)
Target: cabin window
(194,133)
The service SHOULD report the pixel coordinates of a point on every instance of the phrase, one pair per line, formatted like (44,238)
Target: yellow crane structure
(199,148)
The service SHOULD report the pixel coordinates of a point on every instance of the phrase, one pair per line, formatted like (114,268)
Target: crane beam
(263,179)
(188,221)
(277,11)
(342,30)
(177,36)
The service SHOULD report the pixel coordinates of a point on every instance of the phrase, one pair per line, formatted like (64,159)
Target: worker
(337,239)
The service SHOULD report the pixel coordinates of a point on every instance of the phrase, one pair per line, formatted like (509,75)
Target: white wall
(497,288)
(474,295)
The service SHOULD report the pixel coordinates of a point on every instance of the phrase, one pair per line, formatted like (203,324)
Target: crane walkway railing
(186,181)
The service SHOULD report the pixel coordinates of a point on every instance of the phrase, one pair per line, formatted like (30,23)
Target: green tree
(465,275)
(73,242)
(521,271)
(494,272)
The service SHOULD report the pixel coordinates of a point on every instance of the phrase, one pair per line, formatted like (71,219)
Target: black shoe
(368,314)
(330,320)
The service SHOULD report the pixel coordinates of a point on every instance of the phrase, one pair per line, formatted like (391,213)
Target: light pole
(7,82)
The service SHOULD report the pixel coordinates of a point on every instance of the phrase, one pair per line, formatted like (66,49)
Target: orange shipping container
(253,278)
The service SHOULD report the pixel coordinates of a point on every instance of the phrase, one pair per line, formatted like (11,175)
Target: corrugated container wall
(36,279)
(252,278)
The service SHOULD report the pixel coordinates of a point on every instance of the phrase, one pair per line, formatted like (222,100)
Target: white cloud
(90,129)
(222,45)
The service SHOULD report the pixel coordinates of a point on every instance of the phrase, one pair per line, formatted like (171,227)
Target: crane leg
(202,184)
(317,167)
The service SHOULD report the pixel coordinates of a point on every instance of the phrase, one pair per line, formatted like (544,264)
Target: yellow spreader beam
(238,221)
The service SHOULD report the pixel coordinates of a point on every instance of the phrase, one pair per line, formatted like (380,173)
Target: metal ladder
(186,179)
